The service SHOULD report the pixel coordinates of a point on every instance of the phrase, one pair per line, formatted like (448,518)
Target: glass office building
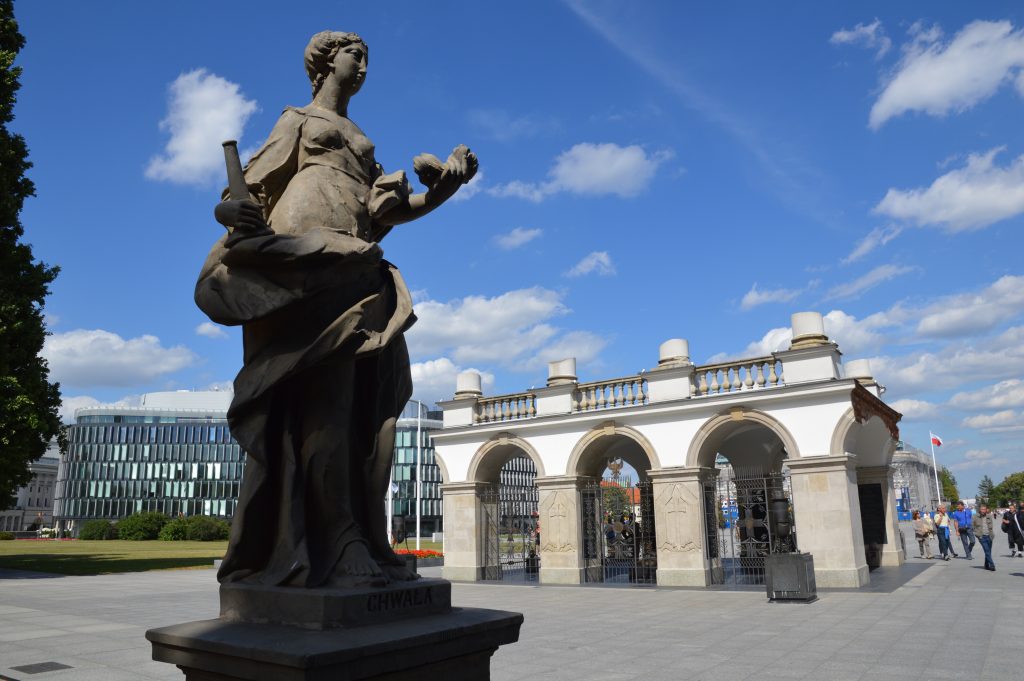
(173,454)
(412,436)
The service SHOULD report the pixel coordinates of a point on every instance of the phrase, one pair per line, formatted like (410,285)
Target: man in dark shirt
(963,517)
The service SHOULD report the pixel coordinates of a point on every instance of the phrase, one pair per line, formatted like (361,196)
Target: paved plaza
(926,620)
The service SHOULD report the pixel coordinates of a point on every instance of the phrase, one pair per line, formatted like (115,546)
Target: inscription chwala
(398,600)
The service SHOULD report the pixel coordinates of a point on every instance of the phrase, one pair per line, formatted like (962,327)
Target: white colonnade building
(808,443)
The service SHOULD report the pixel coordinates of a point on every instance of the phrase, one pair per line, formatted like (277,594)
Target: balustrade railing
(617,392)
(506,408)
(729,377)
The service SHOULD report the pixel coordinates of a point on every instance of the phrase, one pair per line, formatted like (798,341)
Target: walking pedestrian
(923,529)
(1012,528)
(983,526)
(962,519)
(942,530)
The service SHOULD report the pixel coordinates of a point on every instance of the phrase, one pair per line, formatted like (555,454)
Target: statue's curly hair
(321,51)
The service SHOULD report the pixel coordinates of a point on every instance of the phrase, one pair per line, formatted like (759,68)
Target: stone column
(679,525)
(893,553)
(561,536)
(463,541)
(826,511)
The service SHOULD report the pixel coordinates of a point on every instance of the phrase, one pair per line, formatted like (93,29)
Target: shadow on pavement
(888,579)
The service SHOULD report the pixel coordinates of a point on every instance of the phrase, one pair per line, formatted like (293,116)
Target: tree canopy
(1010,489)
(28,400)
(985,488)
(950,493)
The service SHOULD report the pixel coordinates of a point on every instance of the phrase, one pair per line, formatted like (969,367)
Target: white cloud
(915,410)
(583,345)
(1000,420)
(877,237)
(871,36)
(973,312)
(204,110)
(1001,395)
(755,296)
(211,330)
(69,404)
(512,329)
(975,196)
(592,169)
(85,357)
(598,261)
(471,188)
(939,78)
(434,380)
(979,458)
(879,275)
(517,237)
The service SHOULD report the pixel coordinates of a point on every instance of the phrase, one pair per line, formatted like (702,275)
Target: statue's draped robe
(326,371)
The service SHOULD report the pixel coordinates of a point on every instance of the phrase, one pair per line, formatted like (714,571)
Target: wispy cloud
(211,330)
(204,110)
(879,275)
(877,237)
(598,262)
(519,236)
(871,36)
(502,126)
(94,357)
(756,296)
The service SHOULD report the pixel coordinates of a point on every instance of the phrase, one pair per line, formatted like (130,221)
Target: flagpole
(935,467)
(419,495)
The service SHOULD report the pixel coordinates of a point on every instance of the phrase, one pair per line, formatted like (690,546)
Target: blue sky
(647,172)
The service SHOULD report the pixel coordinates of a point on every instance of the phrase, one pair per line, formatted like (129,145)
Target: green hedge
(195,528)
(6,536)
(141,526)
(98,529)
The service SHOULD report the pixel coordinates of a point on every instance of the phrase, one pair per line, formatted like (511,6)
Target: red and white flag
(936,440)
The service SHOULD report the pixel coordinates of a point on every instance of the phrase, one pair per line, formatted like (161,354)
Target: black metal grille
(747,519)
(618,533)
(511,550)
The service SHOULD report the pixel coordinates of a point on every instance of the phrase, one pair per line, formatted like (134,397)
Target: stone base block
(330,608)
(840,579)
(684,577)
(455,646)
(550,575)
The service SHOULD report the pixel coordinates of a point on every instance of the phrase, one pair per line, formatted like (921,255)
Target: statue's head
(322,58)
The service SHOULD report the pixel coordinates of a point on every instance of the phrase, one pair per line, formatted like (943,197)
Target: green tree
(950,493)
(1010,489)
(985,488)
(28,401)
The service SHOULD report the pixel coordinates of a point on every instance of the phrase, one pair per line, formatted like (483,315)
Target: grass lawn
(79,557)
(105,557)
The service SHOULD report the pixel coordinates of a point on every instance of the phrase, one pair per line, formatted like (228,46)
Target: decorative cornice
(866,405)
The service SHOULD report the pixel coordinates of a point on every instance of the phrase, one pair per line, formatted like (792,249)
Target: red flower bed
(423,553)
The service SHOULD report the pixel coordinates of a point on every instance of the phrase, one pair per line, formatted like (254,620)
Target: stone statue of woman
(326,370)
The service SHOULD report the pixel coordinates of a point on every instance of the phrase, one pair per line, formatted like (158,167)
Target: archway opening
(509,527)
(617,511)
(873,445)
(748,507)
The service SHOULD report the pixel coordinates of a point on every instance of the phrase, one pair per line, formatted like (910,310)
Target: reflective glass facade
(404,470)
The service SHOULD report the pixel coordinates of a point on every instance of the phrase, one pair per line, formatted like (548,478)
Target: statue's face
(350,67)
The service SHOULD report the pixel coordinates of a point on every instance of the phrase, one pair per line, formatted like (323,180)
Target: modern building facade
(414,451)
(913,479)
(33,503)
(173,454)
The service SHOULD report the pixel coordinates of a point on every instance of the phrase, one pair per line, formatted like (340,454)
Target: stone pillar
(811,355)
(679,525)
(463,521)
(561,536)
(893,553)
(673,377)
(826,511)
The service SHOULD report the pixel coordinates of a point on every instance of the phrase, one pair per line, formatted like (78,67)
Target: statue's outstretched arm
(459,169)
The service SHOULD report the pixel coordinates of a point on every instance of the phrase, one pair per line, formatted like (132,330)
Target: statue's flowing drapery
(326,370)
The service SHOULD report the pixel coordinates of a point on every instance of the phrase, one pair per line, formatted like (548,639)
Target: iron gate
(618,533)
(511,550)
(747,519)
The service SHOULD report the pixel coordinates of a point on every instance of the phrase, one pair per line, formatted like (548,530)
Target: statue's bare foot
(357,568)
(399,573)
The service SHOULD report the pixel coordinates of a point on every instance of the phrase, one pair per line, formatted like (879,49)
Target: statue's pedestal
(393,633)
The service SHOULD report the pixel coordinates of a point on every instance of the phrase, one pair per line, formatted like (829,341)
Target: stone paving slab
(96,625)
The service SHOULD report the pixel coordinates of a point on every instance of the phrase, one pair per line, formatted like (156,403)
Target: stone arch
(869,440)
(611,429)
(439,460)
(493,454)
(713,426)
